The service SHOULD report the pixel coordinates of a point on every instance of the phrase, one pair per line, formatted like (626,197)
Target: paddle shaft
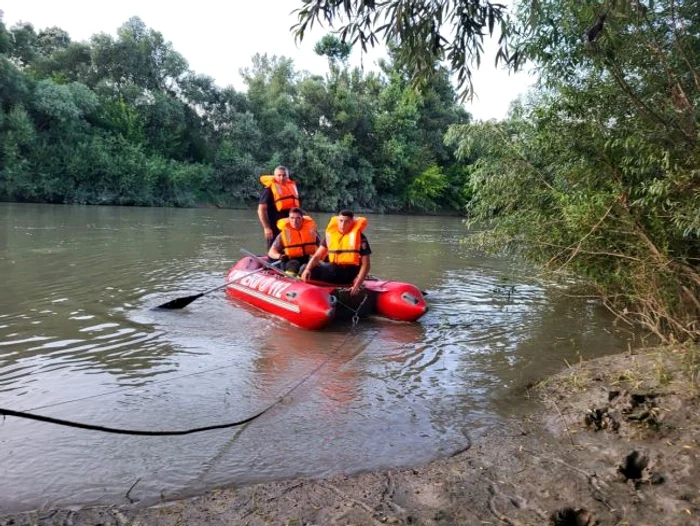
(268,265)
(180,303)
(232,281)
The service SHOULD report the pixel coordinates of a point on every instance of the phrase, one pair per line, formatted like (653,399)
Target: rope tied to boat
(307,377)
(355,312)
(356,315)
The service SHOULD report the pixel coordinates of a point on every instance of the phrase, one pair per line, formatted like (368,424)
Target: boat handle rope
(215,459)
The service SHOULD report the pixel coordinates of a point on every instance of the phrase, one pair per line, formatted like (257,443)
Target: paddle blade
(179,303)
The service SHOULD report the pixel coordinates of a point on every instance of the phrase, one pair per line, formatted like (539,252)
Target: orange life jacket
(285,195)
(298,243)
(344,249)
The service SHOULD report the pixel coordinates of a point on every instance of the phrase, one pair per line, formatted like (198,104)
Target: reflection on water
(78,340)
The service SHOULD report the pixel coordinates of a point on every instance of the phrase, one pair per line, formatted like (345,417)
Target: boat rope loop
(356,315)
(355,312)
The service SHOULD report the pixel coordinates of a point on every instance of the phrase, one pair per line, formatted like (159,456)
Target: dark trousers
(294,265)
(330,273)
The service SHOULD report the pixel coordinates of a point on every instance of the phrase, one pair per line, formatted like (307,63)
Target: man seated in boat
(277,198)
(297,241)
(348,253)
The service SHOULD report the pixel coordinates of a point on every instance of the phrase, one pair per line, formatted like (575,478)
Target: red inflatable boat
(313,305)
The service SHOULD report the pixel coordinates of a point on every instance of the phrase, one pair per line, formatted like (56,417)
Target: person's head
(281,174)
(296,217)
(345,221)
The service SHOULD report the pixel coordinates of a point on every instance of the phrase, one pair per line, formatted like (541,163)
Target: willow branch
(644,109)
(578,247)
(679,43)
(589,252)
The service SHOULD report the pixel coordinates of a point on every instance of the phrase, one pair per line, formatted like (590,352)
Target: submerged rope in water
(141,432)
(118,431)
(211,463)
(129,387)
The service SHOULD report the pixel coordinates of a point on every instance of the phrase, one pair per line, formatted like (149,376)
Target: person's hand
(268,233)
(305,275)
(284,258)
(355,288)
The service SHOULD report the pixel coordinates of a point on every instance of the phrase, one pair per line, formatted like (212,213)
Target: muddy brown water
(79,341)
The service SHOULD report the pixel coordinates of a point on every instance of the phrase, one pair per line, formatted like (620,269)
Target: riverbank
(616,442)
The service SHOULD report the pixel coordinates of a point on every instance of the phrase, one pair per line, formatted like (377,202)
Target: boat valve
(410,298)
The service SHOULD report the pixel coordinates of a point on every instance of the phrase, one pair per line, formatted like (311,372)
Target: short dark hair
(347,213)
(296,210)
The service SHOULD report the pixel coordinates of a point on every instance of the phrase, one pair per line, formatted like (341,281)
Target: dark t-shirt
(273,215)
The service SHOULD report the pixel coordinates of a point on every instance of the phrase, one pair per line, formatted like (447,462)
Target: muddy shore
(615,441)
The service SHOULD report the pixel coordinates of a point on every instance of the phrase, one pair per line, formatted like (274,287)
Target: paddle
(269,265)
(179,303)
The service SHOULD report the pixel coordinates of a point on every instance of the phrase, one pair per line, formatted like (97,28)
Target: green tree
(5,38)
(18,137)
(62,102)
(15,88)
(334,49)
(138,56)
(24,44)
(122,120)
(51,40)
(271,85)
(426,190)
(598,174)
(69,64)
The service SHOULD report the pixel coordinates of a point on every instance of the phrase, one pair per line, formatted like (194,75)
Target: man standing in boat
(278,197)
(348,253)
(297,241)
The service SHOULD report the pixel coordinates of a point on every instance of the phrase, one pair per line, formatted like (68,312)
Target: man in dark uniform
(268,209)
(349,260)
(299,238)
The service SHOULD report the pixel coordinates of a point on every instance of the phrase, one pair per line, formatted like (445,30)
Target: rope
(355,312)
(140,432)
(118,431)
(213,461)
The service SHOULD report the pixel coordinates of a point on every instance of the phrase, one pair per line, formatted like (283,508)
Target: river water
(79,341)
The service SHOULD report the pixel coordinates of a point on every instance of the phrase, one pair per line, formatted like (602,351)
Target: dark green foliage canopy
(122,120)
